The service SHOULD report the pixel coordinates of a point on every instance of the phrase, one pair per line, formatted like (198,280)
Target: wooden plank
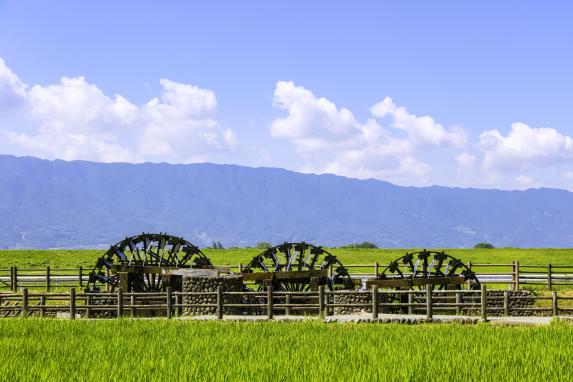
(192,272)
(407,283)
(293,275)
(153,269)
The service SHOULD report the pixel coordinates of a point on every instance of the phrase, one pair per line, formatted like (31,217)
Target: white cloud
(524,146)
(422,131)
(74,119)
(331,140)
(311,121)
(181,124)
(12,90)
(524,158)
(525,181)
(465,160)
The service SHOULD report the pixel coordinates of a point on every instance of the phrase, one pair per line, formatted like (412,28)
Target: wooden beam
(291,275)
(154,269)
(407,283)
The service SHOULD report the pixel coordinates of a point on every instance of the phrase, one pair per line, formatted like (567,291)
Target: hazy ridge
(46,204)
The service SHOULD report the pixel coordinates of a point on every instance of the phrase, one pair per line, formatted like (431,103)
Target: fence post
(219,302)
(429,303)
(270,302)
(517,275)
(240,267)
(72,303)
(549,274)
(80,276)
(376,268)
(483,303)
(24,302)
(42,306)
(458,303)
(375,301)
(287,301)
(88,303)
(107,284)
(169,305)
(48,278)
(554,304)
(506,303)
(513,273)
(321,300)
(132,303)
(179,301)
(14,279)
(119,302)
(410,302)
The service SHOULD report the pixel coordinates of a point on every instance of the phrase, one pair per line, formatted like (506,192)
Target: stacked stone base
(518,300)
(353,298)
(228,283)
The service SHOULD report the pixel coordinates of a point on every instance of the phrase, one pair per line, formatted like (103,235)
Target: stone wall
(518,299)
(353,298)
(229,283)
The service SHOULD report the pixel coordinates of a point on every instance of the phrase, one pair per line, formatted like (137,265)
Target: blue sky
(471,94)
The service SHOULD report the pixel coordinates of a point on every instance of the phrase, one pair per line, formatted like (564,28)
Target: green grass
(87,258)
(153,350)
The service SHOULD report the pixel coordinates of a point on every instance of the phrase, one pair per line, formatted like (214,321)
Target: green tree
(363,245)
(263,245)
(484,245)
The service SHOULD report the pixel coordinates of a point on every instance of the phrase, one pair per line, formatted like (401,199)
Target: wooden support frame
(408,283)
(294,275)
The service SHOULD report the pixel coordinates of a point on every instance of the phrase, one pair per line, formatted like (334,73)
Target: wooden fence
(514,275)
(268,303)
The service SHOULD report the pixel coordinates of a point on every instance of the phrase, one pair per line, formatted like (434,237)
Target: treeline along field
(136,350)
(87,258)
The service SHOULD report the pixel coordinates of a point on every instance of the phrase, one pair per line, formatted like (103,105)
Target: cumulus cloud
(74,119)
(12,89)
(465,160)
(422,131)
(524,146)
(331,140)
(525,157)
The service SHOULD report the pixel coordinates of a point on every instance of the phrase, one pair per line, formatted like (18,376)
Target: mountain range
(79,204)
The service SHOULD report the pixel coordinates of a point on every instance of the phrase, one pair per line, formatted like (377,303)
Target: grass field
(130,350)
(87,258)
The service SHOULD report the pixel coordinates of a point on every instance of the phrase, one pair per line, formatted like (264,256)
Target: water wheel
(420,270)
(139,263)
(297,267)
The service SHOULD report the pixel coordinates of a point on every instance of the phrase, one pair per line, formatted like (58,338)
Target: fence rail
(482,303)
(514,275)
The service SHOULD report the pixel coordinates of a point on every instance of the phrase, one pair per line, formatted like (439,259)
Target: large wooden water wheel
(421,270)
(143,263)
(297,267)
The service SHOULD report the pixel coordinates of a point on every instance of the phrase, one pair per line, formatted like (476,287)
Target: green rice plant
(151,350)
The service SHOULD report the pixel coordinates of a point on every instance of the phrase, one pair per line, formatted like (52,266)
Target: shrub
(484,245)
(363,245)
(263,245)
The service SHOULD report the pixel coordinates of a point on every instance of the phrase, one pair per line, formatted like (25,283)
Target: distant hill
(47,204)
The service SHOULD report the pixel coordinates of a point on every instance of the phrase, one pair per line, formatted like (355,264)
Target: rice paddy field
(152,350)
(87,258)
